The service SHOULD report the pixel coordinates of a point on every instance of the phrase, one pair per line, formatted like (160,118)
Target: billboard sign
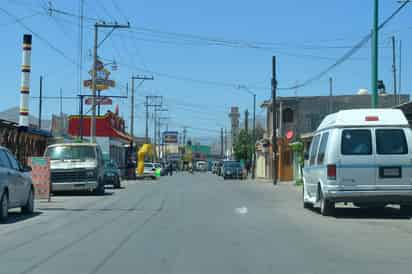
(99,100)
(170,137)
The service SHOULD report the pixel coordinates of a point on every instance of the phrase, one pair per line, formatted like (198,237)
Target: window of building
(288,115)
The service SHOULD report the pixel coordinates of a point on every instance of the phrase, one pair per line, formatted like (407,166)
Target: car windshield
(71,153)
(231,164)
(148,165)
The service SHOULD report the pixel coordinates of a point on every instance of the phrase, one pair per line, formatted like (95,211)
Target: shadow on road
(15,217)
(367,213)
(86,194)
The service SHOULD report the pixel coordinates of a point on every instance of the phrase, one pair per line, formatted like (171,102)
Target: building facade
(298,117)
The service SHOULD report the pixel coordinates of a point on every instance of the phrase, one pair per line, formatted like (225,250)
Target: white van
(363,156)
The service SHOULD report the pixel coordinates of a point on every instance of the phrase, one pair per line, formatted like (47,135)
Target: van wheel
(326,206)
(4,207)
(306,205)
(29,206)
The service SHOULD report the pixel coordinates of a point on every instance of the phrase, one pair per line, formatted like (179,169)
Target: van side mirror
(306,156)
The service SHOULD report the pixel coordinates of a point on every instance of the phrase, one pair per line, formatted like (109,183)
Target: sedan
(16,187)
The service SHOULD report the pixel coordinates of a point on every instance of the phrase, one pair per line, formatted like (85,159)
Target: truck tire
(4,207)
(28,208)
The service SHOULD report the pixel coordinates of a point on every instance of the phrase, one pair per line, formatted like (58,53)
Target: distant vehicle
(159,167)
(232,169)
(112,174)
(16,188)
(361,156)
(76,167)
(149,171)
(201,166)
(215,167)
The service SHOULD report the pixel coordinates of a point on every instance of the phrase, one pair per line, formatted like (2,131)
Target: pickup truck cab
(76,167)
(362,156)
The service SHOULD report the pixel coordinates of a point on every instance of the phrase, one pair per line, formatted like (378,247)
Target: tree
(243,147)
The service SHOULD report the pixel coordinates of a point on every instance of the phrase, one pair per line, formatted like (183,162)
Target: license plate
(390,172)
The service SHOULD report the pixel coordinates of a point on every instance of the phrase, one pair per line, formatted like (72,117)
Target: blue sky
(306,37)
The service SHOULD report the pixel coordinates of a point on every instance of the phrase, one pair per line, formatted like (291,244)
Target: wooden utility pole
(94,71)
(221,143)
(274,117)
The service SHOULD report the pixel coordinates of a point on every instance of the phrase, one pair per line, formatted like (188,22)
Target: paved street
(202,224)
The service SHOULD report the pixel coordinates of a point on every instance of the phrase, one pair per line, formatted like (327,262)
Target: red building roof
(108,125)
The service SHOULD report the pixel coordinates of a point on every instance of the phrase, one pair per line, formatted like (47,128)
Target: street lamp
(245,88)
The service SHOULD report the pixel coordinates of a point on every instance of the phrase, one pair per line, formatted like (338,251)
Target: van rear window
(391,141)
(356,142)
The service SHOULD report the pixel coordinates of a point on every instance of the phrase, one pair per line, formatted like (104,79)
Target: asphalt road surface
(202,224)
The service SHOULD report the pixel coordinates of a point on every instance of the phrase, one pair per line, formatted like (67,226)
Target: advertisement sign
(101,101)
(40,175)
(170,137)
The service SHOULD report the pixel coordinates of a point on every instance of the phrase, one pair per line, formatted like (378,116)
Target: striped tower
(25,82)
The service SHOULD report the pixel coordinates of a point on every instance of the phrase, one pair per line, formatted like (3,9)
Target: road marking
(241,210)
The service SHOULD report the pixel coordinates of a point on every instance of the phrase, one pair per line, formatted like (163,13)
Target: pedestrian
(247,168)
(170,169)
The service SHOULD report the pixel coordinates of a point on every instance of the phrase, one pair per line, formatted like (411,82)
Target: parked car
(232,169)
(361,156)
(76,167)
(112,174)
(16,188)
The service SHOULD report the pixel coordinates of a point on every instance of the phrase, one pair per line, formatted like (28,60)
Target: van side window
(391,141)
(322,148)
(313,150)
(356,142)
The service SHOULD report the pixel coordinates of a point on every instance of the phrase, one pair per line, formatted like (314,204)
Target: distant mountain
(12,114)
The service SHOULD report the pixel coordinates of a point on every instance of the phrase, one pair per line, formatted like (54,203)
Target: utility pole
(394,69)
(137,77)
(254,137)
(132,111)
(400,70)
(40,100)
(274,137)
(225,143)
(221,143)
(246,120)
(330,94)
(184,135)
(374,77)
(94,70)
(146,135)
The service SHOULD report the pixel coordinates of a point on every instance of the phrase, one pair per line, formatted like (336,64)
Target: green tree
(243,147)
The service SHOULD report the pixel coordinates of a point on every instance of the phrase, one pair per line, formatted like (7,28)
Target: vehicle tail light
(371,118)
(331,172)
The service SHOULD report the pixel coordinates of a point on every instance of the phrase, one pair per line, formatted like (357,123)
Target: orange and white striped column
(25,82)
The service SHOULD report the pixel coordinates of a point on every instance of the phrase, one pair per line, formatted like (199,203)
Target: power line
(41,38)
(347,55)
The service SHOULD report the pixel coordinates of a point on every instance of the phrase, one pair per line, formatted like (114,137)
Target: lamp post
(245,88)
